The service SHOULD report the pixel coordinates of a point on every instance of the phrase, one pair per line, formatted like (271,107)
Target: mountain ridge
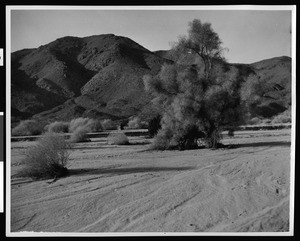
(101,76)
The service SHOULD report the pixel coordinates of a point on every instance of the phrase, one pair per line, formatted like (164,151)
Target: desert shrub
(284,117)
(58,127)
(161,142)
(27,128)
(255,121)
(136,123)
(48,158)
(90,125)
(95,125)
(117,138)
(108,124)
(79,135)
(266,121)
(189,101)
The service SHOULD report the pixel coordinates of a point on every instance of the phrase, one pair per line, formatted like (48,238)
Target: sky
(249,35)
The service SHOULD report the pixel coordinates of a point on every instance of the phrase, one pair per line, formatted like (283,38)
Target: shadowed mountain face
(98,76)
(275,97)
(101,76)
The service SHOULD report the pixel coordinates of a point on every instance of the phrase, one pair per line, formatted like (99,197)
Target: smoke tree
(195,105)
(201,40)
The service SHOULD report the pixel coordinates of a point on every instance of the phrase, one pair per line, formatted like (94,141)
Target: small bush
(90,125)
(266,121)
(284,117)
(48,158)
(27,128)
(58,127)
(108,124)
(79,135)
(255,121)
(95,126)
(117,138)
(136,123)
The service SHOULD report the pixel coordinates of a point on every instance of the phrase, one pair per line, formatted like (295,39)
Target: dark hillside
(275,76)
(100,74)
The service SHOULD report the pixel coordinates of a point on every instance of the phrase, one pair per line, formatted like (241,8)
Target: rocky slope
(98,75)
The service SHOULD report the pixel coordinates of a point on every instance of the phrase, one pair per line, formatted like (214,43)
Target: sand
(132,189)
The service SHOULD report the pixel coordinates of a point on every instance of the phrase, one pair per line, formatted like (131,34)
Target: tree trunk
(212,137)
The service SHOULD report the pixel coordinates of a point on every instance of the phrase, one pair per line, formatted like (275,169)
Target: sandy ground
(131,189)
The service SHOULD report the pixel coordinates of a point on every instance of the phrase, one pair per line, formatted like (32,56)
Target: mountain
(92,76)
(101,76)
(275,76)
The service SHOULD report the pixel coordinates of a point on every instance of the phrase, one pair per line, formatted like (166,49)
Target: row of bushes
(32,127)
(282,118)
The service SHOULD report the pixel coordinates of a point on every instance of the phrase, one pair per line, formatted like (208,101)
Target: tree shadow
(91,147)
(138,143)
(123,171)
(259,144)
(107,146)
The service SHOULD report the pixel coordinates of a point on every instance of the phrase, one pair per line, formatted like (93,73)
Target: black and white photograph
(150,120)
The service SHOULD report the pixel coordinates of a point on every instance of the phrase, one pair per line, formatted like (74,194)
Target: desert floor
(132,189)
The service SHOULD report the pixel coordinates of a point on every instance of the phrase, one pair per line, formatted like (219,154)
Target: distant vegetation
(136,123)
(79,127)
(284,117)
(58,127)
(48,158)
(90,125)
(28,128)
(108,124)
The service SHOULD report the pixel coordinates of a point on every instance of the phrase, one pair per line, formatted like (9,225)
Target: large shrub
(117,138)
(191,102)
(28,128)
(48,158)
(58,127)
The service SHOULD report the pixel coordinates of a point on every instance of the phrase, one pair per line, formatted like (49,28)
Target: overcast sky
(250,35)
